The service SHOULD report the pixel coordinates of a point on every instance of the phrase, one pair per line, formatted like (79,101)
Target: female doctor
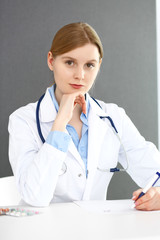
(66,148)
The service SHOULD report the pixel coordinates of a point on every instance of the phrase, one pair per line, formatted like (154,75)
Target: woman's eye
(69,62)
(90,65)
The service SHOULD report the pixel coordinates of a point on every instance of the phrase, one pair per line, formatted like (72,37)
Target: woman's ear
(100,62)
(50,60)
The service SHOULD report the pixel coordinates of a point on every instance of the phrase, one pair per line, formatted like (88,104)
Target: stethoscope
(64,167)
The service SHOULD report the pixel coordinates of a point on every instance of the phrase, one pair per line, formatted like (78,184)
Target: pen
(150,184)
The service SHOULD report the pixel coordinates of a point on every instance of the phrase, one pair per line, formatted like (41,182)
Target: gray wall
(128,75)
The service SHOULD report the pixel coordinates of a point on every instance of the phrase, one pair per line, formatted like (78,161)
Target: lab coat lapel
(73,150)
(96,133)
(47,109)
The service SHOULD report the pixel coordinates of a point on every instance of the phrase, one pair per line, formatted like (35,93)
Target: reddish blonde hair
(75,35)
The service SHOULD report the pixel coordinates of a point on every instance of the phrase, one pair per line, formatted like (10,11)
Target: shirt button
(79,175)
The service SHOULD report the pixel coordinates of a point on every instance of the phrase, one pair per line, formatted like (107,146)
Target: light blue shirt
(61,140)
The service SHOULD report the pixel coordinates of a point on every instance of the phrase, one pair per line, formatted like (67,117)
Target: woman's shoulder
(110,108)
(27,111)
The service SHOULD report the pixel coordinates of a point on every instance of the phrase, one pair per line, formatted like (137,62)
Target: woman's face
(76,70)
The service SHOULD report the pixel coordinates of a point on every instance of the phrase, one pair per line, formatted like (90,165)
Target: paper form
(106,207)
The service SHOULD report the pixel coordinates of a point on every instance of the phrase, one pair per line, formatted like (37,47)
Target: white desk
(69,221)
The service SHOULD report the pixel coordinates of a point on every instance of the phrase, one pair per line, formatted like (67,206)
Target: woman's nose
(79,73)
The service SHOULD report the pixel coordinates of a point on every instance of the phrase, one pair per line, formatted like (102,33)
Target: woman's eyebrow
(68,57)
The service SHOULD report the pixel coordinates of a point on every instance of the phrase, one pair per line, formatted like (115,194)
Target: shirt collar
(51,91)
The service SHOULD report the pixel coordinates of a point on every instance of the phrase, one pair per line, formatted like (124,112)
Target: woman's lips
(76,86)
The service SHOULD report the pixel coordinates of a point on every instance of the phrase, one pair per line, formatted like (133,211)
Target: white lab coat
(36,166)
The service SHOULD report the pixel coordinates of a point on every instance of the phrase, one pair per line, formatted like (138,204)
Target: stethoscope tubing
(37,119)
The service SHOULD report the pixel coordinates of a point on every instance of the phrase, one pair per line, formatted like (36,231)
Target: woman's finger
(80,99)
(136,194)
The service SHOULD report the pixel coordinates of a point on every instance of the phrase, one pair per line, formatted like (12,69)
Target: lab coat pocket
(108,156)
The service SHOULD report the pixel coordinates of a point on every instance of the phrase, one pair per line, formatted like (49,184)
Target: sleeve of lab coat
(36,170)
(143,156)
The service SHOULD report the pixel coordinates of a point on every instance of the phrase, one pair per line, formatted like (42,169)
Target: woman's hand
(66,108)
(148,202)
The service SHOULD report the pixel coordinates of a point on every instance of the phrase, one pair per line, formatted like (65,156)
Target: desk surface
(69,221)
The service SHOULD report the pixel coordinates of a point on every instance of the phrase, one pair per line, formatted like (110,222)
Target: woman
(80,145)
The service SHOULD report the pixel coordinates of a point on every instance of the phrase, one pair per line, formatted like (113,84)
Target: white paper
(106,207)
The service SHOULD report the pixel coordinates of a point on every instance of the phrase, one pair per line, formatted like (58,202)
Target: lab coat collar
(47,109)
(96,108)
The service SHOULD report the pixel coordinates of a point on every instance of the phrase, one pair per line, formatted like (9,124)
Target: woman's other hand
(148,202)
